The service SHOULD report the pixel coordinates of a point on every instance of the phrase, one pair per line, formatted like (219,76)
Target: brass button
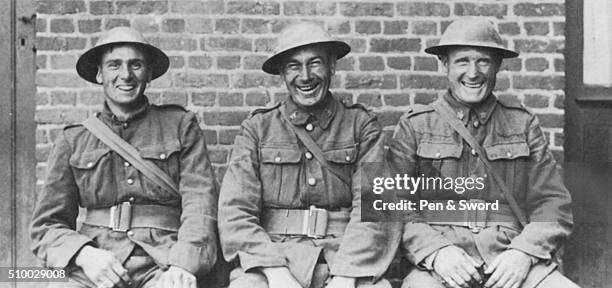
(125,125)
(308,155)
(130,181)
(312,181)
(131,199)
(348,158)
(460,115)
(485,175)
(476,124)
(277,159)
(473,152)
(309,127)
(162,156)
(437,155)
(90,164)
(509,154)
(126,164)
(130,233)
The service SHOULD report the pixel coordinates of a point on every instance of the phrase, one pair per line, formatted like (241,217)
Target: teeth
(474,85)
(307,88)
(125,88)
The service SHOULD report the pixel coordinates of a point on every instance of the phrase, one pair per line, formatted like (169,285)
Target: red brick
(154,97)
(354,9)
(337,27)
(539,46)
(539,9)
(368,27)
(402,99)
(175,97)
(101,7)
(217,155)
(176,43)
(559,139)
(220,172)
(559,64)
(425,64)
(59,80)
(231,99)
(173,25)
(60,116)
(389,118)
(228,26)
(537,28)
(509,28)
(423,9)
(254,62)
(551,120)
(198,25)
(538,82)
(255,79)
(559,101)
(63,61)
(255,26)
(146,24)
(358,45)
(398,27)
(116,22)
(176,62)
(535,101)
(41,24)
(62,26)
(226,118)
(41,61)
(228,44)
(308,8)
(249,8)
(257,99)
(425,98)
(54,133)
(395,45)
(199,80)
(201,7)
(473,9)
(346,64)
(92,97)
(200,62)
(265,44)
(424,28)
(228,62)
(511,64)
(41,136)
(42,152)
(370,81)
(60,7)
(204,98)
(559,28)
(502,83)
(536,64)
(90,25)
(370,99)
(399,62)
(142,7)
(227,136)
(423,81)
(210,136)
(60,43)
(42,98)
(371,63)
(280,24)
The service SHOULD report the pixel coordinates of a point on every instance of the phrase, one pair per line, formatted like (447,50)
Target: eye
(137,65)
(293,66)
(112,65)
(484,62)
(316,63)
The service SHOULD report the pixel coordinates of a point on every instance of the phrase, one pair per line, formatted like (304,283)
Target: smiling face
(307,73)
(124,73)
(471,72)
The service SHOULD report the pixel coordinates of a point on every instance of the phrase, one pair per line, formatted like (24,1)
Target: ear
(332,65)
(444,60)
(99,75)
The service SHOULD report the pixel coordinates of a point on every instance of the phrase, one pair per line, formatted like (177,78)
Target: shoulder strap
(130,154)
(315,150)
(445,113)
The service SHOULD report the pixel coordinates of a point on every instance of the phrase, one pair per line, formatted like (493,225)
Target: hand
(280,277)
(456,267)
(177,277)
(102,268)
(341,282)
(509,269)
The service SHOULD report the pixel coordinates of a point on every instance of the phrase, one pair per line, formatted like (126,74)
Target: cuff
(428,262)
(193,258)
(528,248)
(60,256)
(250,261)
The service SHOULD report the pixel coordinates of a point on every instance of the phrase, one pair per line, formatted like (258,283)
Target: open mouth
(126,88)
(476,85)
(307,88)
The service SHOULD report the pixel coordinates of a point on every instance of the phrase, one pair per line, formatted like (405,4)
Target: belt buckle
(477,220)
(315,218)
(120,217)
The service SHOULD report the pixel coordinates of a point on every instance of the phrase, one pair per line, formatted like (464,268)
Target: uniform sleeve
(196,246)
(548,201)
(240,203)
(53,228)
(419,239)
(367,248)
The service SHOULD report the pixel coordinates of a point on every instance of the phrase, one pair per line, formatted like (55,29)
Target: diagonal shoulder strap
(315,150)
(445,113)
(130,154)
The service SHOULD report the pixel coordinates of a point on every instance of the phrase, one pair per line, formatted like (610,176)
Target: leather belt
(312,223)
(475,220)
(125,216)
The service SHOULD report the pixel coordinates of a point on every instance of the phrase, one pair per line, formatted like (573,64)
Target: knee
(241,279)
(556,279)
(420,279)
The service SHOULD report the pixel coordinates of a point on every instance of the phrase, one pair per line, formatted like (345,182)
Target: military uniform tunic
(270,168)
(83,171)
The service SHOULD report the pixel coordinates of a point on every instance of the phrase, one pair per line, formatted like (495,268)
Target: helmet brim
(338,48)
(443,49)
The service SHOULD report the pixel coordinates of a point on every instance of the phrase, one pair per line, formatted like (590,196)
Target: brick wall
(217,48)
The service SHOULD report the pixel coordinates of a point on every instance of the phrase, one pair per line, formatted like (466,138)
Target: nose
(472,70)
(125,72)
(304,73)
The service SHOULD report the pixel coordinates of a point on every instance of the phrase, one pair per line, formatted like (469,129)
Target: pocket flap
(507,151)
(439,150)
(341,156)
(280,155)
(88,159)
(159,151)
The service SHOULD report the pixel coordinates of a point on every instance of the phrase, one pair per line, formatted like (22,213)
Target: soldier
(470,132)
(289,207)
(136,232)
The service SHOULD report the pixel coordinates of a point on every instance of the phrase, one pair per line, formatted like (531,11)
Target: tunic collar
(481,111)
(320,114)
(138,112)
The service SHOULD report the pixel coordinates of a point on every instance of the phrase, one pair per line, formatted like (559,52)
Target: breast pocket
(164,155)
(91,169)
(439,159)
(510,161)
(279,172)
(343,160)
